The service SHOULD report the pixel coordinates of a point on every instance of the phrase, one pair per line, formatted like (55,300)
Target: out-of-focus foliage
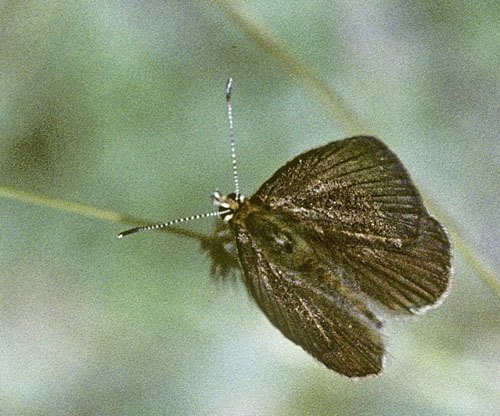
(121,105)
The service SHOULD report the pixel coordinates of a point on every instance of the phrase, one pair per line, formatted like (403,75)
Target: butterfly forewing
(327,323)
(354,188)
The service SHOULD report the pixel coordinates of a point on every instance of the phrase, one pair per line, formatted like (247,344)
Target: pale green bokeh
(120,105)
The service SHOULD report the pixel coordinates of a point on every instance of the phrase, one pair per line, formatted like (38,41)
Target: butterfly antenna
(231,133)
(168,224)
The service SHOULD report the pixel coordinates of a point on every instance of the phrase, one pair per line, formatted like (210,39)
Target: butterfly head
(228,204)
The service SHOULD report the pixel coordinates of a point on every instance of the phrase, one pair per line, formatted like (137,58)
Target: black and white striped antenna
(217,196)
(229,86)
(168,224)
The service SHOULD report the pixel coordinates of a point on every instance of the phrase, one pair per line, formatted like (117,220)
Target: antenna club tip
(229,85)
(131,231)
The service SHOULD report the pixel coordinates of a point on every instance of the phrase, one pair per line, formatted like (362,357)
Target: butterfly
(333,234)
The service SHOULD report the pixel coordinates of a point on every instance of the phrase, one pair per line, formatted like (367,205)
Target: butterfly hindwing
(408,278)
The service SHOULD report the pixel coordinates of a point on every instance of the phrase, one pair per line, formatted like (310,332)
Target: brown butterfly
(332,232)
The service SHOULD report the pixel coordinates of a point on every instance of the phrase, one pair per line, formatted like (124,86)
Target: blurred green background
(120,105)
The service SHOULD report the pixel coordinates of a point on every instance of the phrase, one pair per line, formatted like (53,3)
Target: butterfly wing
(407,279)
(328,324)
(356,202)
(356,188)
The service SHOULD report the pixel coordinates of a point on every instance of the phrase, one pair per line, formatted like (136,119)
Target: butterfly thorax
(277,238)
